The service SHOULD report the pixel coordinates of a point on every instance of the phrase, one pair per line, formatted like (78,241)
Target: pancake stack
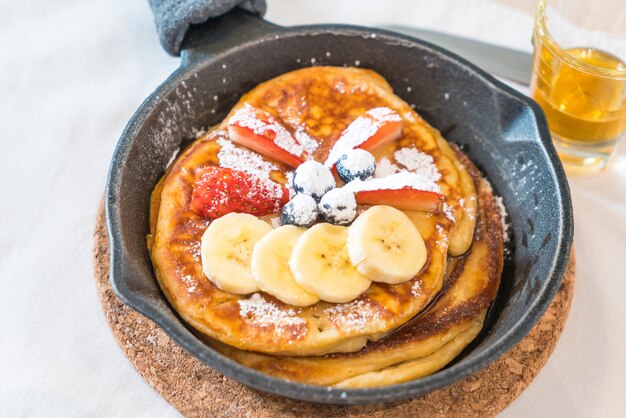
(390,333)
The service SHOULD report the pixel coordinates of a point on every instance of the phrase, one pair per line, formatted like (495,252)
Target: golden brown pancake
(425,344)
(322,101)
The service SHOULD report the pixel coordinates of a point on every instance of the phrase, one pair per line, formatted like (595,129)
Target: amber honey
(581,106)
(583,94)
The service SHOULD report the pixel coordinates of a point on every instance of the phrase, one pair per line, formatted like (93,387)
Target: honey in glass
(583,94)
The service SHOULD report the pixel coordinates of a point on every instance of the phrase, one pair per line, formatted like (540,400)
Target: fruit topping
(407,191)
(259,131)
(356,164)
(219,191)
(313,179)
(405,199)
(320,263)
(375,128)
(385,246)
(270,266)
(226,250)
(338,206)
(242,254)
(301,210)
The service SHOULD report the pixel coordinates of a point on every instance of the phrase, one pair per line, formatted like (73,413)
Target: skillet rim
(122,263)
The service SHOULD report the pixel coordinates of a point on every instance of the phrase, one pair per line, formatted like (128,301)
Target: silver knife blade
(504,62)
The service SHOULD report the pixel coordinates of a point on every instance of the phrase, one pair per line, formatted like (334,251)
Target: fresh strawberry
(259,131)
(406,199)
(218,191)
(377,127)
(389,126)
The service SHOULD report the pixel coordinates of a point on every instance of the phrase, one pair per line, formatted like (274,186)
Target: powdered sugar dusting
(308,143)
(470,210)
(356,316)
(487,185)
(416,288)
(449,212)
(501,210)
(395,181)
(360,130)
(192,286)
(290,175)
(384,114)
(503,218)
(242,159)
(385,168)
(248,117)
(195,249)
(413,160)
(442,242)
(354,135)
(267,314)
(418,162)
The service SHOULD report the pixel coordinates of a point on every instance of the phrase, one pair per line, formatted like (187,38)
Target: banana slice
(320,264)
(385,246)
(226,250)
(270,266)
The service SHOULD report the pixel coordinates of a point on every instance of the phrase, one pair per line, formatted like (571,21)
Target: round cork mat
(196,390)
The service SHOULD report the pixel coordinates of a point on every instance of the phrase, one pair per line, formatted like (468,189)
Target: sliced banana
(385,246)
(320,264)
(226,251)
(270,266)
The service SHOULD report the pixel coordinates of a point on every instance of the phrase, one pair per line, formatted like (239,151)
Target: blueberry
(338,206)
(313,179)
(356,164)
(301,210)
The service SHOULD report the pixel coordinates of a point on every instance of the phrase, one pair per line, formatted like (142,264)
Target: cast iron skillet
(503,132)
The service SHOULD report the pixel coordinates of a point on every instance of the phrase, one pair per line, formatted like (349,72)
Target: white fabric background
(72,73)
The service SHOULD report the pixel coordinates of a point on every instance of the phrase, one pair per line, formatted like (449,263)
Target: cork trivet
(196,390)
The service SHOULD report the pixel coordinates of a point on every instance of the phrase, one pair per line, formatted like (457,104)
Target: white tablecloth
(71,75)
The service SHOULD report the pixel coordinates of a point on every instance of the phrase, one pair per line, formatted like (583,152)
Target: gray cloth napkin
(173,17)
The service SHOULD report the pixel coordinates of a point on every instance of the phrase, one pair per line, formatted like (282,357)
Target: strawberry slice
(377,127)
(389,126)
(405,199)
(404,190)
(218,191)
(259,131)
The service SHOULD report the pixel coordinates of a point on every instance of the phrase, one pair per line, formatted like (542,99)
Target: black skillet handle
(222,33)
